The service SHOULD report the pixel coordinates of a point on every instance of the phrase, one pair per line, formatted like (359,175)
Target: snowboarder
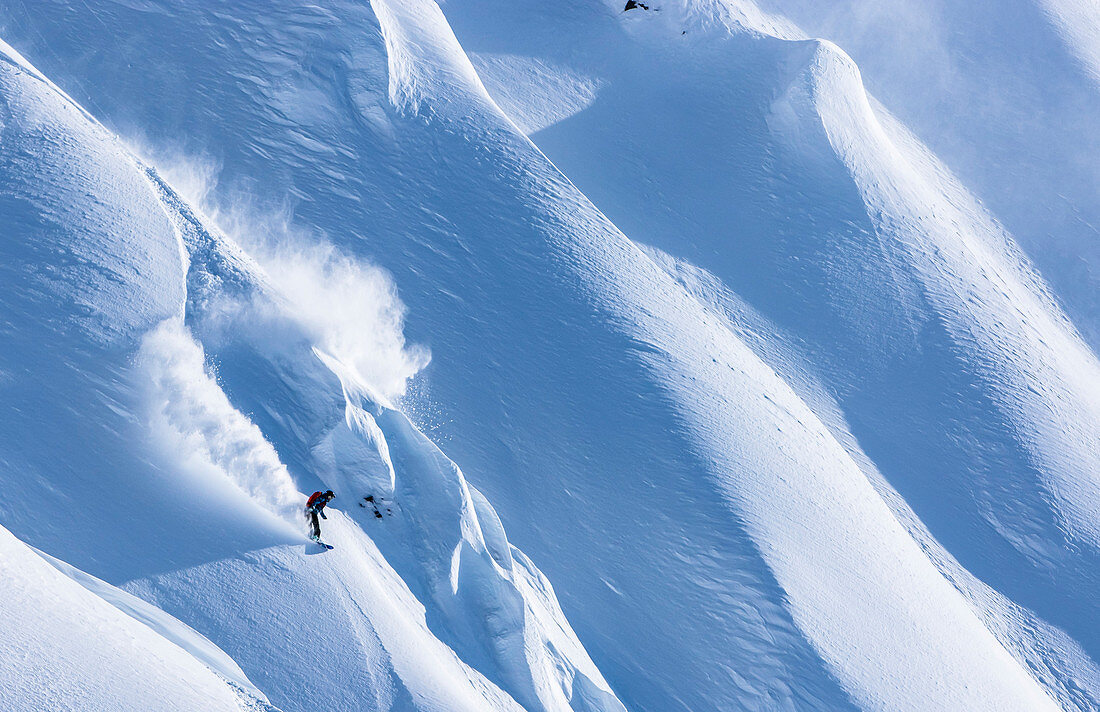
(316,505)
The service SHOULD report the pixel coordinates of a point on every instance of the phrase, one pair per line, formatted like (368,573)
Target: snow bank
(165,625)
(62,646)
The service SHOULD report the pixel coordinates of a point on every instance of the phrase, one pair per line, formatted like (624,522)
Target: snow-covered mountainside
(682,370)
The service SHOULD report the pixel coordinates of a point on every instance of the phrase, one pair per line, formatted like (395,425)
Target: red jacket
(316,501)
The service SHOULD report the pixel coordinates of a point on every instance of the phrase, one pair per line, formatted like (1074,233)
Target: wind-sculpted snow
(494,609)
(368,449)
(1006,96)
(1079,22)
(1038,372)
(250,593)
(170,628)
(848,530)
(868,488)
(90,264)
(953,366)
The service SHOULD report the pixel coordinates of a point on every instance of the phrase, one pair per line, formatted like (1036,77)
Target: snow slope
(65,647)
(825,442)
(864,279)
(875,293)
(1006,94)
(195,499)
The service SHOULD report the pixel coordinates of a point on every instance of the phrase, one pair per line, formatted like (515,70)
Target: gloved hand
(323,515)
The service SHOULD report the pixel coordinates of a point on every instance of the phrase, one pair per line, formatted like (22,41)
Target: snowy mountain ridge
(780,408)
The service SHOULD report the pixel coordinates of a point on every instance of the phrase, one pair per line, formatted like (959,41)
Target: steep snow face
(915,307)
(1044,381)
(91,262)
(447,545)
(172,492)
(721,533)
(731,422)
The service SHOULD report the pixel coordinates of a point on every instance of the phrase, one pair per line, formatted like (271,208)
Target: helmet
(330,494)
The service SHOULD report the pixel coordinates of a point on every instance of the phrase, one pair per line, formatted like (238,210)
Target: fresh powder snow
(671,356)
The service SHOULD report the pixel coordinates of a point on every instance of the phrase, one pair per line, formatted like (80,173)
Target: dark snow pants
(315,526)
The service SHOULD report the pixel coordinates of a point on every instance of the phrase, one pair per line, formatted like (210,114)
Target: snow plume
(350,309)
(346,306)
(193,175)
(190,417)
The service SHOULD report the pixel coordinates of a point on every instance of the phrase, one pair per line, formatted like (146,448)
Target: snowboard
(320,543)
